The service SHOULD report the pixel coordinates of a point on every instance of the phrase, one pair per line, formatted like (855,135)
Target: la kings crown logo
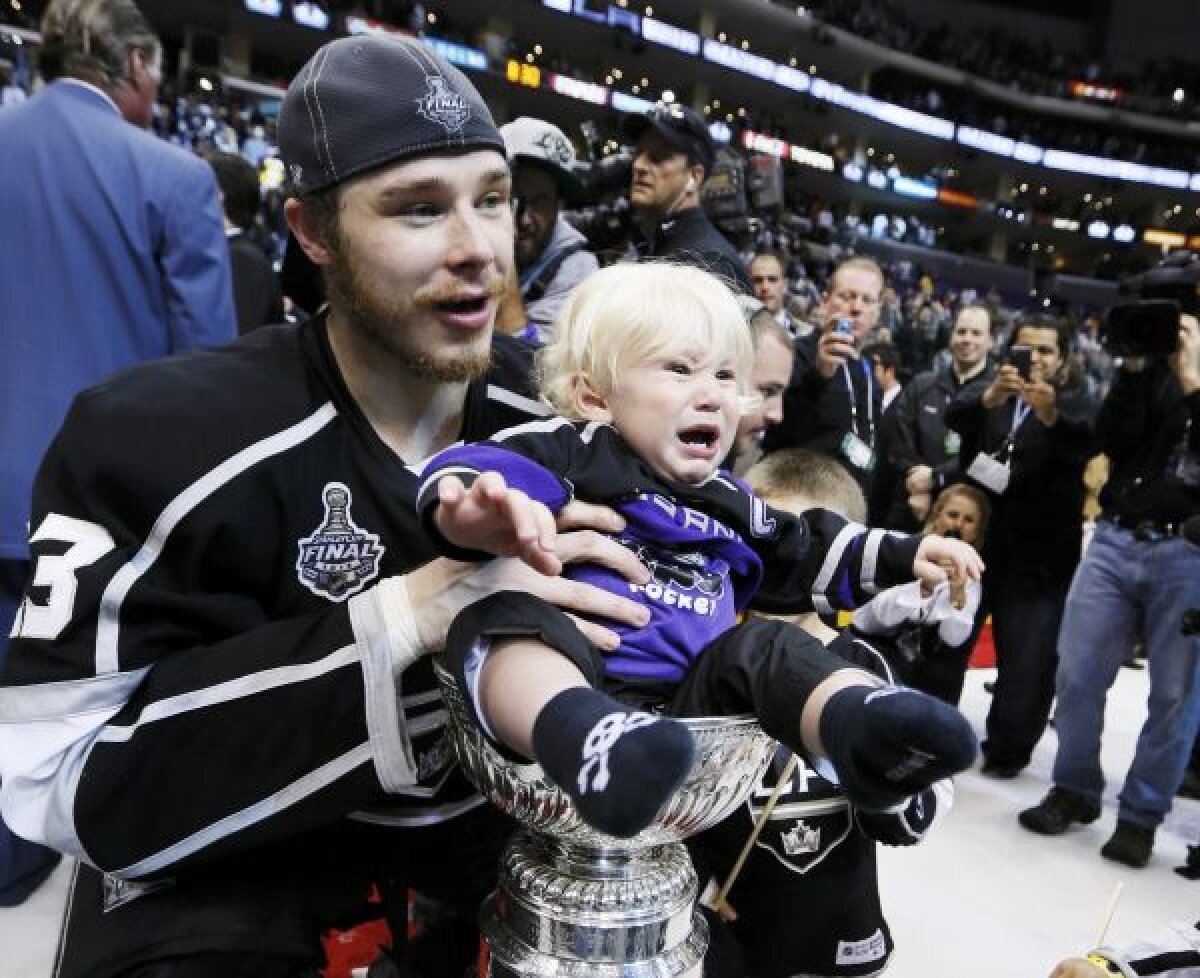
(339,559)
(443,105)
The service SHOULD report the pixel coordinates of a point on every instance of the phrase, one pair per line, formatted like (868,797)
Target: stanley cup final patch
(443,105)
(339,559)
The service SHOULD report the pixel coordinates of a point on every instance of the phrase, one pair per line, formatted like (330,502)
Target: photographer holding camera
(1026,436)
(1138,577)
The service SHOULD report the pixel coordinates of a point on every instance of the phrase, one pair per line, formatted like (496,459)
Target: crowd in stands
(1019,60)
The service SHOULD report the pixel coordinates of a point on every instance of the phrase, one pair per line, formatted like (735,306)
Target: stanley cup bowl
(731,754)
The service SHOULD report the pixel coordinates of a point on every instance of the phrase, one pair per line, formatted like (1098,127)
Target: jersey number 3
(88,543)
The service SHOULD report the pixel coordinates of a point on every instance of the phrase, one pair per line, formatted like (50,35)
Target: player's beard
(384,324)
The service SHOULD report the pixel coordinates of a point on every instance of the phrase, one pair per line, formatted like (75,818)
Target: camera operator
(1026,437)
(552,257)
(1139,576)
(673,155)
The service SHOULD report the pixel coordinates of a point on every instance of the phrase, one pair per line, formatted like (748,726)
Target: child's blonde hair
(627,313)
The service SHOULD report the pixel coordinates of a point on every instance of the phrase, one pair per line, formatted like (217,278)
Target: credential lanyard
(854,402)
(1020,413)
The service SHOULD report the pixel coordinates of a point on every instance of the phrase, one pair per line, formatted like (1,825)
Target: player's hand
(1042,399)
(1185,362)
(919,479)
(919,503)
(833,350)
(493,517)
(1006,385)
(1077,968)
(943,559)
(439,590)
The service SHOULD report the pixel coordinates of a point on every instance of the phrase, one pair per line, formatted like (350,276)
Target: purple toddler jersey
(712,549)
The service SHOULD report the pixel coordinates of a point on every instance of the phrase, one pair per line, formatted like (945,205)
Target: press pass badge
(989,473)
(952,444)
(857,452)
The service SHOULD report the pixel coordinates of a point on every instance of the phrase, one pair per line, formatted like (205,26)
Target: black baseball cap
(680,126)
(361,102)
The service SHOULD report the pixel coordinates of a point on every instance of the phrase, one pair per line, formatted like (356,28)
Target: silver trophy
(573,902)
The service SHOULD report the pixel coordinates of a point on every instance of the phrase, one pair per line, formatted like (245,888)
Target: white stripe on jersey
(297,791)
(530,427)
(518,401)
(233,689)
(833,558)
(109,625)
(871,557)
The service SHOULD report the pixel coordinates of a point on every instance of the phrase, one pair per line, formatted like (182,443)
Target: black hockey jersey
(807,898)
(202,665)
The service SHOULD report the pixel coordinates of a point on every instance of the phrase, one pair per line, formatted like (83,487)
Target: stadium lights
(1123,233)
(788,76)
(1098,229)
(630,103)
(658,32)
(720,132)
(574,88)
(908,187)
(1164,239)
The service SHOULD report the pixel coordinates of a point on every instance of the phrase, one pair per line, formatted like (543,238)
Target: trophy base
(510,958)
(567,911)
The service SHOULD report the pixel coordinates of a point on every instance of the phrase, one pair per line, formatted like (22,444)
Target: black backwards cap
(680,126)
(361,102)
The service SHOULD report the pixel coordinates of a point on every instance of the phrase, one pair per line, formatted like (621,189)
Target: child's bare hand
(943,559)
(497,519)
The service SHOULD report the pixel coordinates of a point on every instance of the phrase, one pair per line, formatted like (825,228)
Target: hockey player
(648,363)
(218,692)
(218,695)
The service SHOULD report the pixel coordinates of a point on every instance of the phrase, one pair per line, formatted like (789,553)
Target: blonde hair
(627,313)
(964,491)
(817,478)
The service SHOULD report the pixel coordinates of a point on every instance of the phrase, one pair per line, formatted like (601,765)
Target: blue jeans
(1124,588)
(23,865)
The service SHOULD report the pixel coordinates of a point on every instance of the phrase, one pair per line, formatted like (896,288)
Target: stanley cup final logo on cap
(443,105)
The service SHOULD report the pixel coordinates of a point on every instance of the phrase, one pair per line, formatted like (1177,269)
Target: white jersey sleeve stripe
(833,559)
(518,401)
(108,628)
(226,692)
(387,731)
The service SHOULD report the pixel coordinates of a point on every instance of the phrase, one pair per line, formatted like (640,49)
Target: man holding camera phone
(1139,575)
(832,405)
(1026,437)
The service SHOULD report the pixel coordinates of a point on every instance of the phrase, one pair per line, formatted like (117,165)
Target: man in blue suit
(114,252)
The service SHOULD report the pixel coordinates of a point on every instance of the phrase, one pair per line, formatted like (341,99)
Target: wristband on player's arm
(1108,966)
